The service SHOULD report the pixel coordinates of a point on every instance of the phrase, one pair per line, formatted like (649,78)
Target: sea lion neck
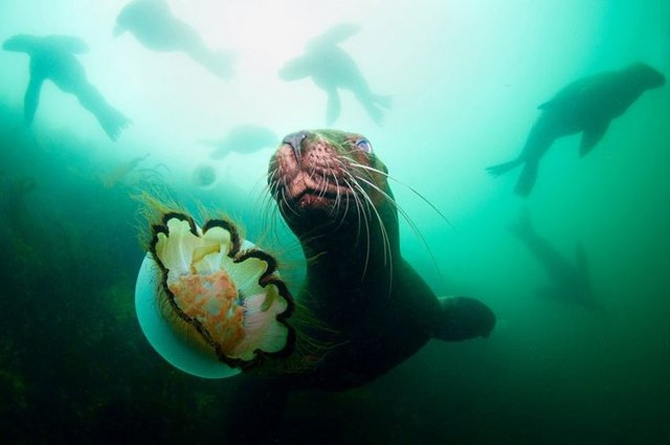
(333,193)
(353,249)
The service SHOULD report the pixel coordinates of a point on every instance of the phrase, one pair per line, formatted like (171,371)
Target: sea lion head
(295,69)
(646,76)
(20,43)
(329,179)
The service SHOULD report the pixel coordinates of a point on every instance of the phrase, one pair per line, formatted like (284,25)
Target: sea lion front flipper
(463,318)
(499,169)
(334,107)
(334,35)
(592,135)
(32,98)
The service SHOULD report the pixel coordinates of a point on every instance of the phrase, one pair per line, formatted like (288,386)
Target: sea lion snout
(295,141)
(326,173)
(648,76)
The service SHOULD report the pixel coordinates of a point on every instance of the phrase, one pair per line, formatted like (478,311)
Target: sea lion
(333,193)
(243,139)
(571,281)
(331,68)
(53,57)
(585,106)
(154,26)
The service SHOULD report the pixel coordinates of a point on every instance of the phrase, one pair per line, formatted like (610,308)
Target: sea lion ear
(209,302)
(591,136)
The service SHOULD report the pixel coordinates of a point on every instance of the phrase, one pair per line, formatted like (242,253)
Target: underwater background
(465,79)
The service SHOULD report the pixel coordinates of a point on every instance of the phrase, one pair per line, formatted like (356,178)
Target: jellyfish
(209,302)
(114,177)
(204,176)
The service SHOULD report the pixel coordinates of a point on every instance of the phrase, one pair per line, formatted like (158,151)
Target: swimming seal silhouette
(585,106)
(331,69)
(154,26)
(53,58)
(571,281)
(243,139)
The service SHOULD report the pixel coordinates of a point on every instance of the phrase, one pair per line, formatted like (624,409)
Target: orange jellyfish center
(212,300)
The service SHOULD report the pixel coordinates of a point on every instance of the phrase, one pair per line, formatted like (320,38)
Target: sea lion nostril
(295,141)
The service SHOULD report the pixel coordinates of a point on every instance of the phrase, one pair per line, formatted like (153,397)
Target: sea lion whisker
(286,203)
(388,199)
(358,210)
(372,208)
(272,177)
(394,203)
(266,200)
(408,187)
(338,195)
(411,223)
(387,253)
(362,211)
(323,185)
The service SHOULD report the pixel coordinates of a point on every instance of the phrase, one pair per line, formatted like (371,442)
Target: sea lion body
(570,280)
(585,106)
(53,58)
(243,139)
(331,69)
(367,308)
(154,26)
(332,191)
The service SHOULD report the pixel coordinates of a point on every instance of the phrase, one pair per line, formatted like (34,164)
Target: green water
(465,78)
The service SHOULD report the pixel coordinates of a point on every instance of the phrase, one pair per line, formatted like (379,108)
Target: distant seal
(331,69)
(333,193)
(243,139)
(585,106)
(571,282)
(154,26)
(53,58)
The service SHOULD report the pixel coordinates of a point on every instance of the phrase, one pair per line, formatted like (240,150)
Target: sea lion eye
(364,145)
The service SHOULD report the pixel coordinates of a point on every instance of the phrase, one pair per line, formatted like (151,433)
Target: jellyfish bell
(176,350)
(204,176)
(209,302)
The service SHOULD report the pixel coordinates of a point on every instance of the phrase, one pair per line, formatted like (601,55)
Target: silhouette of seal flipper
(26,43)
(334,35)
